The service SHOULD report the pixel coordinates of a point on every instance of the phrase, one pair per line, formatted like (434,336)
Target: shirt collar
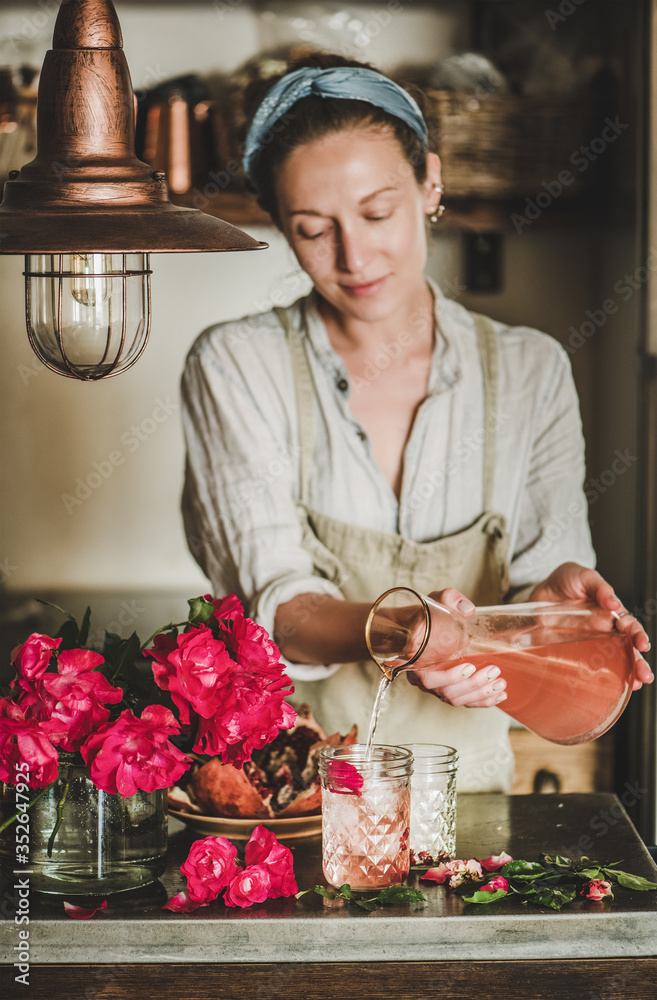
(449,318)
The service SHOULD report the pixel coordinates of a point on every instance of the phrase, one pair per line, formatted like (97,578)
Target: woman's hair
(316,117)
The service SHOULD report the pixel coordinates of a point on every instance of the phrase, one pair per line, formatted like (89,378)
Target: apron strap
(487,342)
(303,388)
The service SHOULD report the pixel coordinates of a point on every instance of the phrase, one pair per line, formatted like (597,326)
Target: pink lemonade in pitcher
(569,671)
(569,690)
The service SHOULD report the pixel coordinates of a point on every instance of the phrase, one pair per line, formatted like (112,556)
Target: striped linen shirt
(242,474)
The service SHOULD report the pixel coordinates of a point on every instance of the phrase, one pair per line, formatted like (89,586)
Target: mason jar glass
(433,802)
(366,803)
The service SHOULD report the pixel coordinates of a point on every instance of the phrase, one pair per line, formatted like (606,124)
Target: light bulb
(88,314)
(91,288)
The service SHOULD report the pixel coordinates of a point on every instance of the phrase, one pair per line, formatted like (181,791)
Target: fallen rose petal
(439,874)
(499,882)
(181,903)
(496,861)
(83,912)
(473,869)
(457,871)
(597,889)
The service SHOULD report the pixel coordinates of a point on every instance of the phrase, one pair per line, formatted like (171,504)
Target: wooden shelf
(473,215)
(238,208)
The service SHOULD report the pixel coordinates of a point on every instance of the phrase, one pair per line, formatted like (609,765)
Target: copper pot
(175,133)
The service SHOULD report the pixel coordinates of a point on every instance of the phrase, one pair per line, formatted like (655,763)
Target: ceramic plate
(294,828)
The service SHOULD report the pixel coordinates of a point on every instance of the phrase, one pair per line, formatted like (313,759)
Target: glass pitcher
(568,671)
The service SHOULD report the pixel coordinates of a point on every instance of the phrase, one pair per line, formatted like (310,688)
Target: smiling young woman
(374,433)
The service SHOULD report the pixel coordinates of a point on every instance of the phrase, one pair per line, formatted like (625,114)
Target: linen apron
(364,562)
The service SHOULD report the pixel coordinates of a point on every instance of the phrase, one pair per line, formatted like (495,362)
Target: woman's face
(354,215)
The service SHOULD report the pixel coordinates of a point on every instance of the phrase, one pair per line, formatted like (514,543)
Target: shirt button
(342,384)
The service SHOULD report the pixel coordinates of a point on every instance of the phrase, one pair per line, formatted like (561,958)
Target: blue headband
(346,82)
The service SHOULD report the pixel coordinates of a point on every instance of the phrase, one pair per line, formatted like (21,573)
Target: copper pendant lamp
(87,213)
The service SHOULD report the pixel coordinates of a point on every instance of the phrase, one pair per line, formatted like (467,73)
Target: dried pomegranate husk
(221,790)
(283,782)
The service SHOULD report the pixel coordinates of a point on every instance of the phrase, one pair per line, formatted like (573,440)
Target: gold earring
(439,209)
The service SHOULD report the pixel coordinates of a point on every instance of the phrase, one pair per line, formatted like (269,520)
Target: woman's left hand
(572,582)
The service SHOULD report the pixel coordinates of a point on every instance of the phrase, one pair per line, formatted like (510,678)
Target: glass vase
(103,844)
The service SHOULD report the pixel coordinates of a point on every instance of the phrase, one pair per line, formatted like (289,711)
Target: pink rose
(240,702)
(209,868)
(134,754)
(499,882)
(196,668)
(30,696)
(27,741)
(250,717)
(226,608)
(253,647)
(264,849)
(32,658)
(496,861)
(597,889)
(77,694)
(250,886)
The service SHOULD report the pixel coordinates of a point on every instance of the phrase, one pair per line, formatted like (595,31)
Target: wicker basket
(504,146)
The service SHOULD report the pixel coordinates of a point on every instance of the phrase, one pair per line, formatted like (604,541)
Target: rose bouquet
(216,687)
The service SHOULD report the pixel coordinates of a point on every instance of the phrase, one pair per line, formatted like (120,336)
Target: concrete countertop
(134,929)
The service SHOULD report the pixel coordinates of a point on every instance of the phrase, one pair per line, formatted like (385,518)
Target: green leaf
(84,627)
(200,610)
(49,604)
(522,869)
(399,894)
(524,889)
(555,898)
(69,633)
(321,890)
(366,904)
(389,896)
(634,882)
(485,897)
(592,873)
(557,860)
(121,655)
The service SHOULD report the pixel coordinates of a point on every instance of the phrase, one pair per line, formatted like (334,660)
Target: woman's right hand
(461,684)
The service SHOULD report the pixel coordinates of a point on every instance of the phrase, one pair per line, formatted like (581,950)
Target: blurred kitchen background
(561,90)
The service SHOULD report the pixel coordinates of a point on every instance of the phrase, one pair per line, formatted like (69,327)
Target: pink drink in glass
(365,815)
